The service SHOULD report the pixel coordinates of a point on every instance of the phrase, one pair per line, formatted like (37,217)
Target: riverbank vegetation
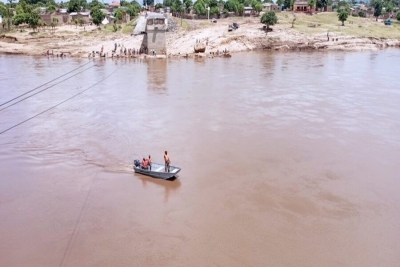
(328,21)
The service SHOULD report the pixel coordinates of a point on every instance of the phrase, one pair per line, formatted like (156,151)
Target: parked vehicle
(234,26)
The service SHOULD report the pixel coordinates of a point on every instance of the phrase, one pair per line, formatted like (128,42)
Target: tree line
(27,11)
(380,6)
(200,7)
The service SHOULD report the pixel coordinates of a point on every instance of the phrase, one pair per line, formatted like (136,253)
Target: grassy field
(314,24)
(356,26)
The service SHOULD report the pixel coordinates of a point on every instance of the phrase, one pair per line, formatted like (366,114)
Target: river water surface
(287,160)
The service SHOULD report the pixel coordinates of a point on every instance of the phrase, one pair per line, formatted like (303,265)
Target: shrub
(269,18)
(362,14)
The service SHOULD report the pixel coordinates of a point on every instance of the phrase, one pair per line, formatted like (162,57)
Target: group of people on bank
(123,51)
(146,163)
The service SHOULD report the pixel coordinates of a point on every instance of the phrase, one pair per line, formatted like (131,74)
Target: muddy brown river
(288,159)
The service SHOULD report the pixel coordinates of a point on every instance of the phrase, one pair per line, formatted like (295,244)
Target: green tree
(312,3)
(97,16)
(389,7)
(342,3)
(20,19)
(54,23)
(33,2)
(50,2)
(97,4)
(83,4)
(51,8)
(212,3)
(7,15)
(119,14)
(74,6)
(248,2)
(42,24)
(257,7)
(398,16)
(81,21)
(288,3)
(33,20)
(23,7)
(133,10)
(148,2)
(232,5)
(279,3)
(378,5)
(240,9)
(269,18)
(124,3)
(188,5)
(214,10)
(199,7)
(343,14)
(177,6)
(167,3)
(322,4)
(76,21)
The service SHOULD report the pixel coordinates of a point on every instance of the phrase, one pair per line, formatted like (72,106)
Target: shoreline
(346,44)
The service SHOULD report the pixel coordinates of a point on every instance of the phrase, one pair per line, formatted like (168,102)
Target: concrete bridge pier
(154,26)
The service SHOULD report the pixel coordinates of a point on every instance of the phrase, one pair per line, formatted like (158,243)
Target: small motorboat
(157,170)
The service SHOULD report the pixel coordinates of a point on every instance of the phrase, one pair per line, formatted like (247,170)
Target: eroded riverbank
(310,33)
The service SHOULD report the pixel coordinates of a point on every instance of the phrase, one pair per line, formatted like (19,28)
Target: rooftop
(301,3)
(115,4)
(155,16)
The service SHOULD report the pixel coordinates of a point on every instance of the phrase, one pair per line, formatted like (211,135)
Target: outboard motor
(136,162)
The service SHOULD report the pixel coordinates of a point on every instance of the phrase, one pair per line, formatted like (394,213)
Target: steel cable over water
(44,84)
(45,88)
(61,102)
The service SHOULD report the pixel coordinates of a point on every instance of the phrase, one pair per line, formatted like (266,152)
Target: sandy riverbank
(309,33)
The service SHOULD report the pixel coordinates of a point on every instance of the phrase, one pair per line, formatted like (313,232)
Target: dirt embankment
(8,39)
(81,41)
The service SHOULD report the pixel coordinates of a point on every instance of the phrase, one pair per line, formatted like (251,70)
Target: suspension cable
(45,88)
(44,84)
(60,102)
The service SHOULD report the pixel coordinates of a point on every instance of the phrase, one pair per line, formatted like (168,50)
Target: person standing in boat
(149,161)
(167,161)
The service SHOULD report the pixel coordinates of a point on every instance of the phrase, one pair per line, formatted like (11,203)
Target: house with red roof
(115,3)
